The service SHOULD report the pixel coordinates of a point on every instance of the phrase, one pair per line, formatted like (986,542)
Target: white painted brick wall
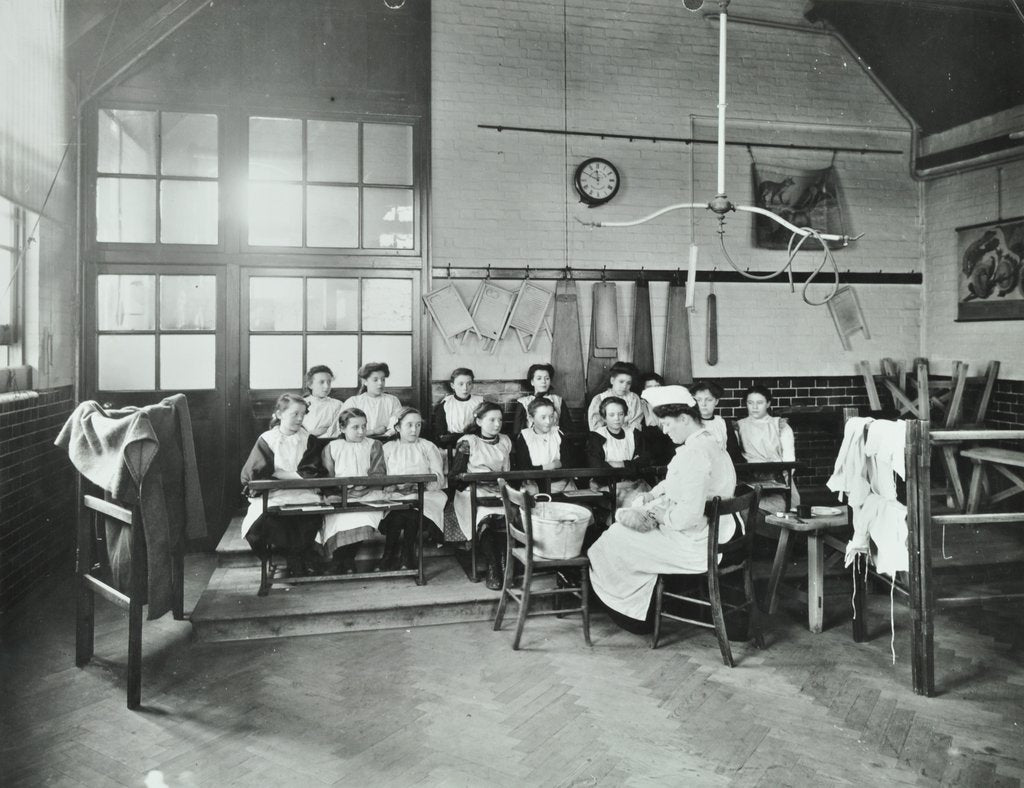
(957,201)
(643,68)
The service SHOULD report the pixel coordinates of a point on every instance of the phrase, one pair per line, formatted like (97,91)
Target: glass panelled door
(293,320)
(161,332)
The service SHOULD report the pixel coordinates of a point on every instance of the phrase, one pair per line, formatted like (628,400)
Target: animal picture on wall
(990,259)
(806,198)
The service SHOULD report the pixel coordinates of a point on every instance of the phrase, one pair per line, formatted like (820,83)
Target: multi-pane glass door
(160,332)
(296,320)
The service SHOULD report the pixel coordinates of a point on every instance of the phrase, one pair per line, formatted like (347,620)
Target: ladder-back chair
(519,547)
(732,558)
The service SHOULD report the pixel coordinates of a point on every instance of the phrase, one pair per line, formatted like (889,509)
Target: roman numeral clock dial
(596,181)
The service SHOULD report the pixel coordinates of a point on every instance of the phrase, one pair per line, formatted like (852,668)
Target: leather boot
(344,560)
(489,550)
(393,542)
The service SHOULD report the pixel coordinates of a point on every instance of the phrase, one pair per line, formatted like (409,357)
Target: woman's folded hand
(636,519)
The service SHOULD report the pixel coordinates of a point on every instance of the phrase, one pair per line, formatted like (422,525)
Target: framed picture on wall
(990,279)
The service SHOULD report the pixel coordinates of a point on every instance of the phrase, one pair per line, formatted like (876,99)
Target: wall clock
(596,181)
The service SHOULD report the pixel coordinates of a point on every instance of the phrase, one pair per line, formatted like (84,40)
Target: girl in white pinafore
(617,446)
(540,447)
(766,438)
(380,408)
(322,417)
(484,450)
(411,454)
(353,454)
(285,451)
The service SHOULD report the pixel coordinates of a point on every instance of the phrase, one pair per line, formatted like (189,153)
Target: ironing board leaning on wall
(143,460)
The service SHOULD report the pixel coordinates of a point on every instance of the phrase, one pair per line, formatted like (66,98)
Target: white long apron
(351,459)
(544,449)
(418,457)
(622,449)
(625,564)
(484,457)
(288,451)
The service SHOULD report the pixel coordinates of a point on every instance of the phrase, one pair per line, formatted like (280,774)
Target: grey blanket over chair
(142,456)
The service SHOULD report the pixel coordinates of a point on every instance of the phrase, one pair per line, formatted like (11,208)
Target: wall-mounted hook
(527,276)
(488,276)
(604,273)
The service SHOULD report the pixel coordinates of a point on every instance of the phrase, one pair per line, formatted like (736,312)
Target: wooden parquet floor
(455,706)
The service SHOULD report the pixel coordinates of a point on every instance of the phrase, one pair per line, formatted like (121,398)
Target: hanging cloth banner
(678,362)
(643,340)
(806,198)
(566,345)
(604,336)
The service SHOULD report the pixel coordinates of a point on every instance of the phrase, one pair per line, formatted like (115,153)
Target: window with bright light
(297,322)
(156,177)
(156,332)
(336,184)
(19,249)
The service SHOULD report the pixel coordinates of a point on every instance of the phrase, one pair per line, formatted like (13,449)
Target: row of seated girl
(309,440)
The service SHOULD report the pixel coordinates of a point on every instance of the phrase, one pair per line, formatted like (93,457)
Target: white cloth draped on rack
(871,456)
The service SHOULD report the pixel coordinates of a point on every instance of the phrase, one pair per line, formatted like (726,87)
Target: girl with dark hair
(454,412)
(411,454)
(352,454)
(322,417)
(539,379)
(483,449)
(617,446)
(766,438)
(707,395)
(665,532)
(380,408)
(285,451)
(620,381)
(540,446)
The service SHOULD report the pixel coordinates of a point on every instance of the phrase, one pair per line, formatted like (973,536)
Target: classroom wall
(504,199)
(956,201)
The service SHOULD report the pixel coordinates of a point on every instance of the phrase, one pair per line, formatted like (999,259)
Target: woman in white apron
(665,532)
(353,454)
(483,450)
(766,438)
(285,451)
(411,454)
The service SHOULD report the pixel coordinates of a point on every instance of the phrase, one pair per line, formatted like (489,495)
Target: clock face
(596,181)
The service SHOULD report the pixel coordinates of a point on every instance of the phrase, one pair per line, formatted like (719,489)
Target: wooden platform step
(234,551)
(230,610)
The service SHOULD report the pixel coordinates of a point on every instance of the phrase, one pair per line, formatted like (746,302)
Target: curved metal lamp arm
(798,230)
(645,219)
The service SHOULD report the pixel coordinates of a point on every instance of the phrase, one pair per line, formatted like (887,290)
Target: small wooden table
(817,530)
(1002,460)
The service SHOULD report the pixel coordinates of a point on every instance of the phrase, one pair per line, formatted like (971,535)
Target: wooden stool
(817,530)
(999,459)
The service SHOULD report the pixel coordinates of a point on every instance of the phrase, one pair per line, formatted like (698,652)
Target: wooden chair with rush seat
(520,547)
(736,558)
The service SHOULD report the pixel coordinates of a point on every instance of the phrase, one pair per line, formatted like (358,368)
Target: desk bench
(341,485)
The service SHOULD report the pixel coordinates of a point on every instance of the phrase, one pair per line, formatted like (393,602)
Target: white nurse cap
(668,395)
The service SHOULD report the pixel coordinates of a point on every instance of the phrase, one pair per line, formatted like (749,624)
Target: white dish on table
(825,511)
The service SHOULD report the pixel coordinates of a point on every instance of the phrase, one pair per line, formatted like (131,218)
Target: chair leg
(85,621)
(134,654)
(715,597)
(505,592)
(754,621)
(524,605)
(585,603)
(659,587)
